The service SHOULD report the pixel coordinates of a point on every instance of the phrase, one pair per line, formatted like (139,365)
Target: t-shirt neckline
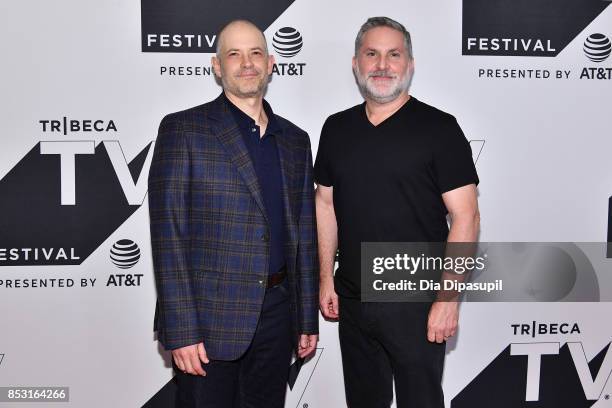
(395,114)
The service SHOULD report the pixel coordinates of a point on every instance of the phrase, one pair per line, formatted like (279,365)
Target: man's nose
(381,63)
(246,61)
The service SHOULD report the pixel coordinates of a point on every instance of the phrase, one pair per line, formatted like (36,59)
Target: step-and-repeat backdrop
(84,85)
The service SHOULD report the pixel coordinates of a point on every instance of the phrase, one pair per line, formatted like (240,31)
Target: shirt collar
(244,121)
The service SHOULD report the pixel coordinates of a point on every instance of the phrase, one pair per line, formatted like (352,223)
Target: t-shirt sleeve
(453,163)
(323,163)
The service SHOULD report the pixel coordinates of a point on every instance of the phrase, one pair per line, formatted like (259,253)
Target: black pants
(259,378)
(382,342)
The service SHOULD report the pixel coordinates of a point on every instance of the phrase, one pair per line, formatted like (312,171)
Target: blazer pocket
(206,285)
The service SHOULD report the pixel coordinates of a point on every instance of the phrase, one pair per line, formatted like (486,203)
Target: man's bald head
(242,62)
(238,27)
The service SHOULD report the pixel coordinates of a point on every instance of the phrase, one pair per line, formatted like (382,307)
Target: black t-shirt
(389,179)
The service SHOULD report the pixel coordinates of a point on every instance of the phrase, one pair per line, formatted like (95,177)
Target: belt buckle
(276,279)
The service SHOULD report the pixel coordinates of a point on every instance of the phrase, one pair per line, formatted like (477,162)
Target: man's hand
(442,322)
(188,359)
(328,299)
(308,343)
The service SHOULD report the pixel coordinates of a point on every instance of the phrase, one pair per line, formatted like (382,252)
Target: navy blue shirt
(264,155)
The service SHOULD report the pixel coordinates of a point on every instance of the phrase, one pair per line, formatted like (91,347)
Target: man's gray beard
(370,93)
(260,91)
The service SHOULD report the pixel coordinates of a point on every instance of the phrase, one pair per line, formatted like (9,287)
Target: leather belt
(277,278)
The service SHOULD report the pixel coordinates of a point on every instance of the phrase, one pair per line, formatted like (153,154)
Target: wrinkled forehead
(241,36)
(383,39)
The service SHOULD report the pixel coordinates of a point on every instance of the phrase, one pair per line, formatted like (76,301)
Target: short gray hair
(374,22)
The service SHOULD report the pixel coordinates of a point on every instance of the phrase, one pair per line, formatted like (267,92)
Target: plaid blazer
(208,229)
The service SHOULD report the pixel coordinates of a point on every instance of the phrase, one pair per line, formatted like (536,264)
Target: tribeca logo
(125,253)
(528,28)
(534,328)
(66,125)
(68,151)
(544,375)
(63,199)
(592,387)
(597,47)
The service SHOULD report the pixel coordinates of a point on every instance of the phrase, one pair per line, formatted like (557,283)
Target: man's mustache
(374,74)
(250,71)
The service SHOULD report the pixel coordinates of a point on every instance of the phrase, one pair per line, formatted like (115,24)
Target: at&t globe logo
(597,47)
(125,253)
(287,42)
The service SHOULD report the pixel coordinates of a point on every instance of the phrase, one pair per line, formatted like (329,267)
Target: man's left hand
(307,345)
(442,322)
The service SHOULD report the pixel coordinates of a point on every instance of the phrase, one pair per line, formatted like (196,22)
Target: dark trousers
(383,342)
(258,379)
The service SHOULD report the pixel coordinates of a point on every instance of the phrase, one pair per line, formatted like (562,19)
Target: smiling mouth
(383,80)
(248,75)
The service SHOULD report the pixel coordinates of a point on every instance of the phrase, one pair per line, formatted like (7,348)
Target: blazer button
(265,237)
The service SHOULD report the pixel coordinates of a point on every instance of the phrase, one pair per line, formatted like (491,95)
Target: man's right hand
(188,359)
(328,299)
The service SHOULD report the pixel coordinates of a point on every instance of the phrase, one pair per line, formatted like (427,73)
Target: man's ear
(271,62)
(216,64)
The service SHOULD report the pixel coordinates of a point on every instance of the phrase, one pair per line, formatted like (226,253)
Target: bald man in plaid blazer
(219,304)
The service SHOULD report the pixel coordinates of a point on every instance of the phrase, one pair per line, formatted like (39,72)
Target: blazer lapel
(225,128)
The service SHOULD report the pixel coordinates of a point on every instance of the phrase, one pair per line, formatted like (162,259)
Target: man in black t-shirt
(390,170)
